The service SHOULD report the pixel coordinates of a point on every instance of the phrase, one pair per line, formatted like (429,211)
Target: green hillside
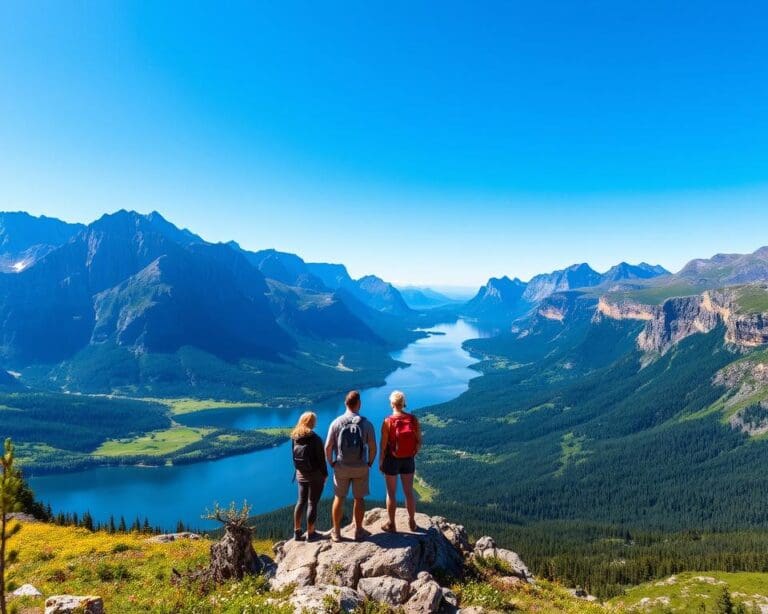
(570,423)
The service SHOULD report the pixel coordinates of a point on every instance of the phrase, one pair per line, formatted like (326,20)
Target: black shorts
(399,466)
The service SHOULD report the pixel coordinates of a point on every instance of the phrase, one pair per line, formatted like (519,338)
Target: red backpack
(403,439)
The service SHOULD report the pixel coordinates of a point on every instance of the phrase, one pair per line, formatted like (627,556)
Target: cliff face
(678,318)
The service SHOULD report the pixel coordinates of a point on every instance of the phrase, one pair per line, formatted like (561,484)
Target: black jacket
(316,450)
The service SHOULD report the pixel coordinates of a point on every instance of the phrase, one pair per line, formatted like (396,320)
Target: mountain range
(129,287)
(503,299)
(137,294)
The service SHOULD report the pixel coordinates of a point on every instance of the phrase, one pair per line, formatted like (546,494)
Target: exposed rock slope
(396,569)
(679,317)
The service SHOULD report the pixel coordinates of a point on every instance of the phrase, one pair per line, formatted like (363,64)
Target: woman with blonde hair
(311,473)
(400,442)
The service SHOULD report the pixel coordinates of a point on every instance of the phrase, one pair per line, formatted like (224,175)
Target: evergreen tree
(10,486)
(180,527)
(88,521)
(146,528)
(112,527)
(122,528)
(723,603)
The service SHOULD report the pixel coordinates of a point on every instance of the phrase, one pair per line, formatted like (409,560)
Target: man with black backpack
(350,448)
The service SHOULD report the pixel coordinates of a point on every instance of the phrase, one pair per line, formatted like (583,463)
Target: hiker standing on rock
(350,448)
(400,442)
(311,473)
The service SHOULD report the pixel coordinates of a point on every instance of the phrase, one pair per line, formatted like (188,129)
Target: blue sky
(426,142)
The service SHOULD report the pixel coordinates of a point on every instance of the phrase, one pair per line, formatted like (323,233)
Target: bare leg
(391,497)
(337,511)
(359,512)
(410,499)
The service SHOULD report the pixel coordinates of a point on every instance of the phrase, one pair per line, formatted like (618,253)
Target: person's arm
(371,445)
(330,445)
(320,455)
(384,442)
(419,440)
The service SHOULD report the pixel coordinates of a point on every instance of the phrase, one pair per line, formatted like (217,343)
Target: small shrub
(107,573)
(482,594)
(58,576)
(121,547)
(374,607)
(46,555)
(492,565)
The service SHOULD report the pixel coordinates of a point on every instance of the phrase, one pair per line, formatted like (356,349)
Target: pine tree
(180,527)
(122,528)
(112,527)
(10,485)
(723,603)
(147,528)
(88,521)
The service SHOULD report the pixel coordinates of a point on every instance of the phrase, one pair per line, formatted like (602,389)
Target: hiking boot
(312,536)
(298,535)
(361,534)
(412,525)
(335,536)
(389,527)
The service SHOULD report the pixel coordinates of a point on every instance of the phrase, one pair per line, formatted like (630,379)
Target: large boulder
(394,555)
(71,604)
(317,598)
(486,548)
(426,595)
(392,591)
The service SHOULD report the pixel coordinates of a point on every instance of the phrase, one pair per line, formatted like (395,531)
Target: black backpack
(302,456)
(351,444)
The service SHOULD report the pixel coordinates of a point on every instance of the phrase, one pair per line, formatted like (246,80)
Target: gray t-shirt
(369,436)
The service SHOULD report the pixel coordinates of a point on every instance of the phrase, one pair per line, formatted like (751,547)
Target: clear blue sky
(432,142)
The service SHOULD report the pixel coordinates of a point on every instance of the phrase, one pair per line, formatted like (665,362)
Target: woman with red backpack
(400,442)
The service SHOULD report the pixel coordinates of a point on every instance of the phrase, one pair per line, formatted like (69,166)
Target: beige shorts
(344,476)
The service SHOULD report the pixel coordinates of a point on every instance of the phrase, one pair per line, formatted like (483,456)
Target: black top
(317,453)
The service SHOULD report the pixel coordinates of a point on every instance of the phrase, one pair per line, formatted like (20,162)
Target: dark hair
(353,399)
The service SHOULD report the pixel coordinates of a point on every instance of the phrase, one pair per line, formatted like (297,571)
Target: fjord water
(438,371)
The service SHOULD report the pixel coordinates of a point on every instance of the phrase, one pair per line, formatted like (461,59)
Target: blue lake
(439,371)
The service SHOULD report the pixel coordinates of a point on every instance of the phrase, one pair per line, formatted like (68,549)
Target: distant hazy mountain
(727,269)
(499,298)
(370,290)
(574,276)
(424,298)
(24,239)
(503,298)
(286,268)
(624,271)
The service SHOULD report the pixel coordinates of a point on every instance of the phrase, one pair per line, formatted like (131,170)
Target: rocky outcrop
(676,319)
(680,317)
(26,590)
(391,568)
(486,548)
(71,604)
(623,310)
